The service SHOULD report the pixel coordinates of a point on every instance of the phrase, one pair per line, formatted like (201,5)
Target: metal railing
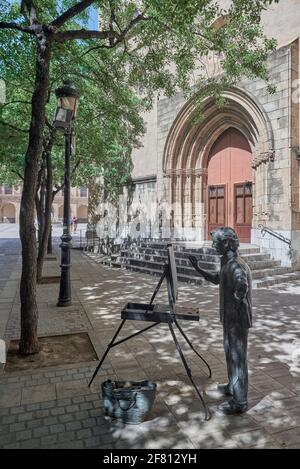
(273,233)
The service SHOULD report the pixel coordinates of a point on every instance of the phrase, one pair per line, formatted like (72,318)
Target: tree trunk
(40,209)
(47,209)
(49,244)
(29,312)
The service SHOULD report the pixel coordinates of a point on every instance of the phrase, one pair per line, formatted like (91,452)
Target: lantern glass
(67,104)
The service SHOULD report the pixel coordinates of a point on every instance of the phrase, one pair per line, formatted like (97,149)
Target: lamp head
(67,104)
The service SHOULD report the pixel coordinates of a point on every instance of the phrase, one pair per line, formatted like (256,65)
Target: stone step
(261,278)
(204,249)
(189,271)
(163,253)
(275,280)
(253,263)
(262,273)
(146,253)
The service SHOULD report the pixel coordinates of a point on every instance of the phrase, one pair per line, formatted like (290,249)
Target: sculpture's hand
(194,261)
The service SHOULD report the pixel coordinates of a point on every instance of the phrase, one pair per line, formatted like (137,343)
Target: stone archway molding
(187,146)
(187,150)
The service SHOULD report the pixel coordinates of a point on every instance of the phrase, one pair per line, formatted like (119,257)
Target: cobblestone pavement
(54,408)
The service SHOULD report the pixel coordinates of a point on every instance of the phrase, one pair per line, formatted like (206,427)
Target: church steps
(255,261)
(189,270)
(275,280)
(150,259)
(262,263)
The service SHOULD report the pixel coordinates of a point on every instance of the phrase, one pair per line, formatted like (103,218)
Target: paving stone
(34,423)
(65,418)
(12,446)
(42,393)
(66,437)
(57,411)
(26,416)
(83,414)
(90,422)
(48,405)
(71,445)
(40,432)
(16,427)
(6,439)
(93,442)
(71,388)
(33,443)
(8,419)
(78,399)
(30,407)
(42,413)
(10,396)
(289,437)
(86,433)
(17,410)
(24,435)
(57,428)
(48,440)
(73,426)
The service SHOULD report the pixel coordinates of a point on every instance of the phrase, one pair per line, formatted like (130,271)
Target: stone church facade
(239,166)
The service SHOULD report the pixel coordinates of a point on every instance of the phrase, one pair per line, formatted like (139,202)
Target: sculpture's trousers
(235,346)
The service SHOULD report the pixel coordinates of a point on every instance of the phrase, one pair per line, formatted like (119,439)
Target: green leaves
(190,45)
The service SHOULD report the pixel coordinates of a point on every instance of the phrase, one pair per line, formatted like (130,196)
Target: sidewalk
(54,408)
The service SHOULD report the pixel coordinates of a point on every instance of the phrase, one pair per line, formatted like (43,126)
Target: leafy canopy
(153,45)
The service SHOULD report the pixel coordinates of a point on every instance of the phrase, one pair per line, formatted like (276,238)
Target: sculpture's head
(224,239)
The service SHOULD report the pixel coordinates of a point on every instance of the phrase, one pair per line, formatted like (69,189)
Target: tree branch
(119,36)
(30,7)
(24,29)
(16,102)
(10,126)
(71,12)
(84,34)
(18,174)
(75,166)
(58,188)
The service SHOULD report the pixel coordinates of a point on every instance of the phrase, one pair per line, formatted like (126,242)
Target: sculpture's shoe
(231,408)
(225,389)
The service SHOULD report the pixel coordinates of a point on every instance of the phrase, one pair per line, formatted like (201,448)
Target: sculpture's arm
(209,276)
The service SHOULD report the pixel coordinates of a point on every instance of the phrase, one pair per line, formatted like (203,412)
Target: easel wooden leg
(192,347)
(113,343)
(188,371)
(110,345)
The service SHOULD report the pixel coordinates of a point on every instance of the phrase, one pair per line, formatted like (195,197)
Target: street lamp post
(67,102)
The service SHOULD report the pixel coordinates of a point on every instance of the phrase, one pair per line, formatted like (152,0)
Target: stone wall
(276,190)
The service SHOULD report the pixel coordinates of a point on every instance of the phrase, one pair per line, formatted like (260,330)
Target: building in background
(10,199)
(239,166)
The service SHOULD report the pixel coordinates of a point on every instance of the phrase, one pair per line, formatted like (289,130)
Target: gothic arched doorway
(229,184)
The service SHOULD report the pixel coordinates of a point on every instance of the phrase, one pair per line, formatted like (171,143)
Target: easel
(168,314)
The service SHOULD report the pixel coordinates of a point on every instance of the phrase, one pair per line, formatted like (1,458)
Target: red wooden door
(229,167)
(243,211)
(216,207)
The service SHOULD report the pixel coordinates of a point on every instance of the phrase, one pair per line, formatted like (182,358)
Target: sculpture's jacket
(235,290)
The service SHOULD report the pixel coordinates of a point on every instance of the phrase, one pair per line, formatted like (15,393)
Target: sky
(93,19)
